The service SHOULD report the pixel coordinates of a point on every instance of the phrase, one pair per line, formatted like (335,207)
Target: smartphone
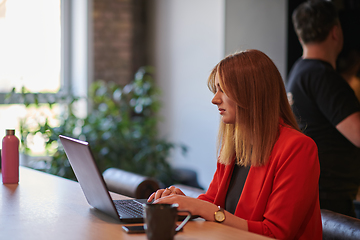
(134,229)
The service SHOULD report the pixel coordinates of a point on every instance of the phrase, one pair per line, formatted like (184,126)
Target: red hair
(251,79)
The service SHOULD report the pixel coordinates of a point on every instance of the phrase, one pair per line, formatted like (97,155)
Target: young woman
(267,173)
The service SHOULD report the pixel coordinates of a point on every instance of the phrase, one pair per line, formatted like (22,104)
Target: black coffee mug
(160,221)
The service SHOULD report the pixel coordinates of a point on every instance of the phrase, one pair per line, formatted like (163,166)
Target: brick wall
(119,39)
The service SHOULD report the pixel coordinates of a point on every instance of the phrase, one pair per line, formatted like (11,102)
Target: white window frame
(76,53)
(76,59)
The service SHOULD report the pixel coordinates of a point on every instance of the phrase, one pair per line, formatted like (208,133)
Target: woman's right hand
(165,192)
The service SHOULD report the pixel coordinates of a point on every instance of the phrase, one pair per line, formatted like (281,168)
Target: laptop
(93,184)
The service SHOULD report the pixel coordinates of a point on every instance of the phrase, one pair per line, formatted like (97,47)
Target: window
(36,38)
(30,45)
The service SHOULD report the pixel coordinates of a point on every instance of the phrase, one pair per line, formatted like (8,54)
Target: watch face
(219,216)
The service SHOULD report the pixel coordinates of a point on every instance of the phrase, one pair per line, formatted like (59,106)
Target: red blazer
(280,199)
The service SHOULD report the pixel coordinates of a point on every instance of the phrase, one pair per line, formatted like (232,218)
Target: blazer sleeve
(214,185)
(294,195)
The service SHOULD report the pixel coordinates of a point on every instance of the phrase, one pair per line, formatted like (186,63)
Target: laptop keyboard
(129,208)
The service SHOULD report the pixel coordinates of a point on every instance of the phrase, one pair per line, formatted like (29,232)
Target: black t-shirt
(235,188)
(321,99)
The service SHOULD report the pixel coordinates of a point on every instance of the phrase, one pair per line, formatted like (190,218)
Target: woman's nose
(216,100)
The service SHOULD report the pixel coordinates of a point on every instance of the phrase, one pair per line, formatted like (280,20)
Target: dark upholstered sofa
(338,226)
(138,186)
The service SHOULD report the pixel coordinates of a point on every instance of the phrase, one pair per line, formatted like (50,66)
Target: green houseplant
(120,128)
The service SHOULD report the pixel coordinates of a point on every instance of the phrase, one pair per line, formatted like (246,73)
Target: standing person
(325,105)
(267,173)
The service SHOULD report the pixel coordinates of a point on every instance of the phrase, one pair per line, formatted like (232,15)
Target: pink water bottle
(10,158)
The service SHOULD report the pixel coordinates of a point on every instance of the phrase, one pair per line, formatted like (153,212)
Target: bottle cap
(10,131)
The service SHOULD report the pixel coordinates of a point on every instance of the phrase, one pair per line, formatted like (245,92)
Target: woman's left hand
(165,192)
(195,206)
(202,208)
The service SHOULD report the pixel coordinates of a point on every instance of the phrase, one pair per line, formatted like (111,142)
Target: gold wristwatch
(219,215)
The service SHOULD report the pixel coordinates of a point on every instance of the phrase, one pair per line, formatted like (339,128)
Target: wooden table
(44,206)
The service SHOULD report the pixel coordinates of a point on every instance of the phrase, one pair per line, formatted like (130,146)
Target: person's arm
(209,196)
(199,207)
(203,205)
(204,209)
(350,128)
(213,188)
(337,101)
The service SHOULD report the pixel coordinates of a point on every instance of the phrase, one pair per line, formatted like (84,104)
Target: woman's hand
(165,192)
(203,209)
(195,206)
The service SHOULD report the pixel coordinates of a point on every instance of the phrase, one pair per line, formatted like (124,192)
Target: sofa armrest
(339,226)
(129,184)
